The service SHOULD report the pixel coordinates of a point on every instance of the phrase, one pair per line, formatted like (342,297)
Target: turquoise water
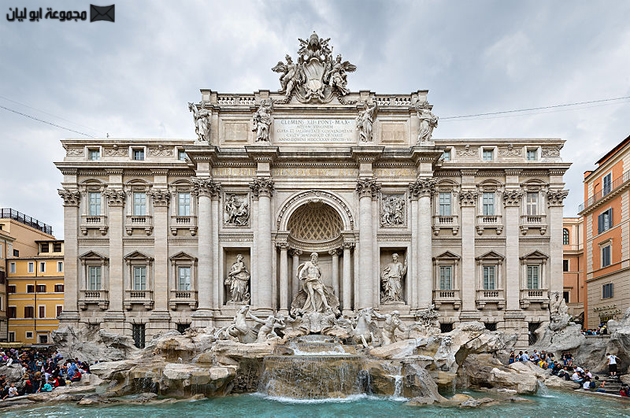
(556,404)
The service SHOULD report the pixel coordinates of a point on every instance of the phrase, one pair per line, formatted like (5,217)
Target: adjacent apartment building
(573,266)
(605,213)
(33,287)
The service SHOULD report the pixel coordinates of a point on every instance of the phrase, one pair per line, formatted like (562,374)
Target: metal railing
(8,213)
(617,183)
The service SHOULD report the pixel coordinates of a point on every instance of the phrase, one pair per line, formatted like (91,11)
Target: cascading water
(320,368)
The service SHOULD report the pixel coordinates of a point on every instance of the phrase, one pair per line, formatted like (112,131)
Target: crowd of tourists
(566,369)
(41,370)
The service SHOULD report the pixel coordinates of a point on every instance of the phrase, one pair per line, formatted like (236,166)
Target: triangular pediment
(92,255)
(137,255)
(536,255)
(447,255)
(490,255)
(183,256)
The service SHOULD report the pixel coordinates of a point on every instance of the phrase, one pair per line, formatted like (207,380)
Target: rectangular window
(31,267)
(28,335)
(59,266)
(41,288)
(94,204)
(138,334)
(12,312)
(445,204)
(57,247)
(58,288)
(11,267)
(531,155)
(488,154)
(181,155)
(139,204)
(11,336)
(94,278)
(30,288)
(59,310)
(489,277)
(565,265)
(94,154)
(446,155)
(11,288)
(607,291)
(42,267)
(183,278)
(183,204)
(44,247)
(29,312)
(16,253)
(533,277)
(446,282)
(138,154)
(532,203)
(139,278)
(605,221)
(607,184)
(488,204)
(42,311)
(606,256)
(566,296)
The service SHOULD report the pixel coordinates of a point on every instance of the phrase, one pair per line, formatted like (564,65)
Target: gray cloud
(134,77)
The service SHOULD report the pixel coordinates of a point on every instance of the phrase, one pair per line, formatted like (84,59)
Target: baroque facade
(164,234)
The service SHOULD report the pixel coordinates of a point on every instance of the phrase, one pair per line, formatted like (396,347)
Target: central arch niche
(315,226)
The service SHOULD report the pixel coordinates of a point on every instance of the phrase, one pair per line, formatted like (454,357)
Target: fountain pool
(555,403)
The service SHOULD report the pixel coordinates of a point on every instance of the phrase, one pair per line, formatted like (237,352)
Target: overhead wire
(46,122)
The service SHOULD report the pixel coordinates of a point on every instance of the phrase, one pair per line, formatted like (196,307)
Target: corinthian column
(555,204)
(467,199)
(422,189)
(262,281)
(71,199)
(368,190)
(161,199)
(115,202)
(205,188)
(512,202)
(347,278)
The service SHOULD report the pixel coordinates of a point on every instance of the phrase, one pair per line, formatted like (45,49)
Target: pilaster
(71,199)
(368,189)
(512,201)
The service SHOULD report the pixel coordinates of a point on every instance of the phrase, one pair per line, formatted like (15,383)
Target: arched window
(565,236)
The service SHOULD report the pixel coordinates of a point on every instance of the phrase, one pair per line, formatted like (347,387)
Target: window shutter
(600,223)
(610,218)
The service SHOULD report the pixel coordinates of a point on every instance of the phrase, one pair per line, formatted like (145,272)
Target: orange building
(573,265)
(607,236)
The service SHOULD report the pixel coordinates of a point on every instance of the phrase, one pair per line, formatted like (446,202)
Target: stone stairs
(613,384)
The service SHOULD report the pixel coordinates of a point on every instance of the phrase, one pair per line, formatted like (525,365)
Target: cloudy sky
(132,78)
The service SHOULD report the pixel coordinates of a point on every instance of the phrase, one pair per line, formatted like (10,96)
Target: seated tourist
(587,384)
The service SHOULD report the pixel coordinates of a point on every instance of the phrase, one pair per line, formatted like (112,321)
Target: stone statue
(365,121)
(268,327)
(335,75)
(238,330)
(238,281)
(315,297)
(392,323)
(202,122)
(427,323)
(262,120)
(428,122)
(393,211)
(365,330)
(391,280)
(292,75)
(236,211)
(559,312)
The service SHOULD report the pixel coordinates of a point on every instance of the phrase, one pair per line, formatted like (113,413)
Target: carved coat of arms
(316,76)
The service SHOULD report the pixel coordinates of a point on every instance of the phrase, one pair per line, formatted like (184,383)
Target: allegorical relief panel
(393,210)
(236,211)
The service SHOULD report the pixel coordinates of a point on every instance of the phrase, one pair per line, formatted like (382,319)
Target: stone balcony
(139,222)
(533,222)
(96,297)
(529,296)
(495,296)
(93,222)
(445,222)
(183,297)
(489,222)
(138,297)
(183,222)
(441,297)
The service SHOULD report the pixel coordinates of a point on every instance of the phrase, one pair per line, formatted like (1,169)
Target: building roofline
(608,155)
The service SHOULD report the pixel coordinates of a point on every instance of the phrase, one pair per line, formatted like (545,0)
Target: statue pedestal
(390,307)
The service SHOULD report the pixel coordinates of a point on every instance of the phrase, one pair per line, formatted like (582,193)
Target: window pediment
(490,256)
(137,256)
(535,256)
(447,256)
(182,256)
(93,255)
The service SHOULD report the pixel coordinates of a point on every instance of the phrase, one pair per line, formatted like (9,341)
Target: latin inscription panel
(313,130)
